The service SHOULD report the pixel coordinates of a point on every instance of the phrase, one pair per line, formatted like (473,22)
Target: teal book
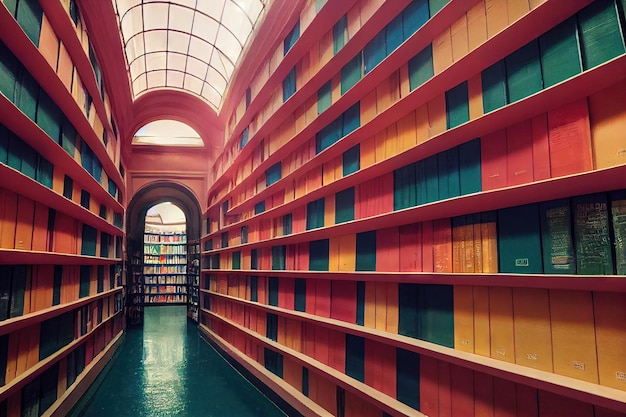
(470,180)
(420,182)
(351,119)
(68,138)
(105,243)
(557,240)
(100,286)
(236,260)
(6,273)
(4,144)
(273,174)
(291,38)
(457,105)
(45,171)
(271,325)
(21,276)
(89,240)
(519,240)
(49,117)
(432,178)
(442,175)
(408,377)
(394,36)
(273,362)
(340,34)
(14,152)
(329,134)
(594,255)
(272,291)
(351,73)
(48,388)
(324,97)
(26,94)
(318,255)
(366,251)
(30,398)
(360,303)
(435,314)
(404,187)
(454,179)
(289,85)
(315,214)
(351,160)
(278,257)
(618,223)
(254,288)
(48,337)
(300,294)
(421,67)
(344,206)
(414,16)
(600,36)
(374,52)
(436,5)
(494,87)
(10,69)
(11,5)
(560,53)
(355,357)
(523,72)
(85,280)
(29,16)
(408,297)
(29,161)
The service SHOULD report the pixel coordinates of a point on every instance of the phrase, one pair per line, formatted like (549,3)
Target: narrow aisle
(166,369)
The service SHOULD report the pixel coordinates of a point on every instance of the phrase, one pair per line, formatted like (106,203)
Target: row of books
(165,279)
(165,249)
(154,237)
(165,289)
(164,298)
(433,387)
(167,259)
(150,269)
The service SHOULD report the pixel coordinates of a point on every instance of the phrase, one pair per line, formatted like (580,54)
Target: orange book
(40,228)
(437,115)
(368,152)
(381,306)
(42,287)
(609,312)
(422,126)
(533,343)
(607,114)
(347,252)
(573,334)
(489,245)
(62,382)
(519,153)
(476,25)
(516,9)
(410,242)
(12,356)
(329,210)
(325,48)
(323,392)
(292,373)
(392,308)
(33,345)
(442,245)
(383,96)
(335,85)
(8,218)
(405,84)
(478,243)
(65,69)
(369,319)
(368,107)
(541,148)
(464,318)
(407,133)
(460,38)
(497,16)
(24,223)
(501,324)
(493,160)
(355,406)
(475,93)
(570,139)
(442,51)
(380,139)
(392,146)
(48,43)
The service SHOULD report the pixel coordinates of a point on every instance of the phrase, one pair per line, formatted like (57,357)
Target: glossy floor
(165,369)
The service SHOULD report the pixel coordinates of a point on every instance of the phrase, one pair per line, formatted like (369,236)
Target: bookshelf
(193,279)
(164,268)
(61,214)
(334,261)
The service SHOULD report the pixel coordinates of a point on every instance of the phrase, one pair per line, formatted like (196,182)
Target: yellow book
(421,123)
(368,107)
(392,307)
(609,313)
(370,304)
(392,147)
(437,115)
(464,318)
(516,9)
(442,51)
(501,324)
(407,132)
(460,38)
(607,117)
(292,373)
(333,254)
(347,252)
(476,25)
(368,152)
(475,93)
(497,16)
(533,343)
(329,211)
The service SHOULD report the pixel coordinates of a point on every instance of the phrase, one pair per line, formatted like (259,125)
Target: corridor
(165,369)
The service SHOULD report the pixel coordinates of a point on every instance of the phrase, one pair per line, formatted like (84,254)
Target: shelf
(554,188)
(19,183)
(164,264)
(518,34)
(581,390)
(176,303)
(385,13)
(23,48)
(64,28)
(166,273)
(21,380)
(166,243)
(29,132)
(19,256)
(16,323)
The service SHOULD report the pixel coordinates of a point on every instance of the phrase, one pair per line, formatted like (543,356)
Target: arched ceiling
(192,45)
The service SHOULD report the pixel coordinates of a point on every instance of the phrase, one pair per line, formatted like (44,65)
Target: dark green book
(560,53)
(454,180)
(404,187)
(556,237)
(494,87)
(351,119)
(469,167)
(254,288)
(21,276)
(26,94)
(45,171)
(49,380)
(618,223)
(29,161)
(29,17)
(71,367)
(68,138)
(66,329)
(351,160)
(360,303)
(414,16)
(591,235)
(6,276)
(421,67)
(351,73)
(48,337)
(457,105)
(4,353)
(89,240)
(14,153)
(344,206)
(600,35)
(435,314)
(315,214)
(271,325)
(442,176)
(408,296)
(408,377)
(366,251)
(519,240)
(355,357)
(49,116)
(324,97)
(30,397)
(4,144)
(393,36)
(375,51)
(85,281)
(318,255)
(420,183)
(523,72)
(340,33)
(299,294)
(237,260)
(10,69)
(273,362)
(432,178)
(278,257)
(11,5)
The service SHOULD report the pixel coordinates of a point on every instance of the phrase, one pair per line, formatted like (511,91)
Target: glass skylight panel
(197,43)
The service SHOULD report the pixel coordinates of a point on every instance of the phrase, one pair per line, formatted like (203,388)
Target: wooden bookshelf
(168,251)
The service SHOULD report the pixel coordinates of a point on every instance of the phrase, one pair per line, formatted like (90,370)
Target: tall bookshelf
(419,211)
(164,268)
(61,211)
(193,279)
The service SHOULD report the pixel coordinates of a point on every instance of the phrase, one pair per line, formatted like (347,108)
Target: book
(560,53)
(608,309)
(591,235)
(493,161)
(556,237)
(464,318)
(523,71)
(429,385)
(519,240)
(519,153)
(531,319)
(462,390)
(607,109)
(501,334)
(408,377)
(599,31)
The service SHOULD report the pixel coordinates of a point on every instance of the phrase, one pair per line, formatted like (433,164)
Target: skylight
(193,45)
(167,132)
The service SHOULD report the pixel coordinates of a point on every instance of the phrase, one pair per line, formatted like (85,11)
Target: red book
(427,247)
(570,139)
(373,365)
(88,350)
(286,288)
(337,350)
(442,245)
(308,339)
(493,160)
(343,301)
(388,250)
(553,405)
(311,286)
(541,148)
(298,221)
(429,386)
(462,387)
(262,290)
(410,247)
(483,395)
(64,234)
(504,395)
(519,153)
(302,257)
(322,298)
(388,361)
(375,197)
(322,341)
(445,389)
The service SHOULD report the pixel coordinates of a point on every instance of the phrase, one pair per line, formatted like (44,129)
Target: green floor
(165,369)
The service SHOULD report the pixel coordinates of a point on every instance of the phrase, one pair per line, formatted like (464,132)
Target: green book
(318,255)
(404,187)
(273,362)
(351,119)
(30,397)
(374,52)
(435,314)
(273,174)
(278,257)
(289,86)
(560,53)
(324,97)
(600,36)
(49,380)
(29,16)
(420,182)
(315,214)
(68,138)
(300,294)
(14,153)
(360,303)
(344,206)
(469,167)
(49,116)
(105,242)
(494,87)
(45,171)
(6,274)
(11,5)
(4,144)
(10,69)
(85,281)
(355,357)
(351,73)
(556,237)
(436,5)
(366,251)
(408,377)
(89,240)
(454,180)
(237,260)
(421,67)
(26,94)
(618,222)
(21,276)
(414,16)
(523,72)
(340,34)
(329,134)
(66,329)
(457,105)
(432,178)
(442,175)
(519,240)
(591,235)
(351,160)
(271,325)
(408,297)
(100,283)
(29,161)
(48,337)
